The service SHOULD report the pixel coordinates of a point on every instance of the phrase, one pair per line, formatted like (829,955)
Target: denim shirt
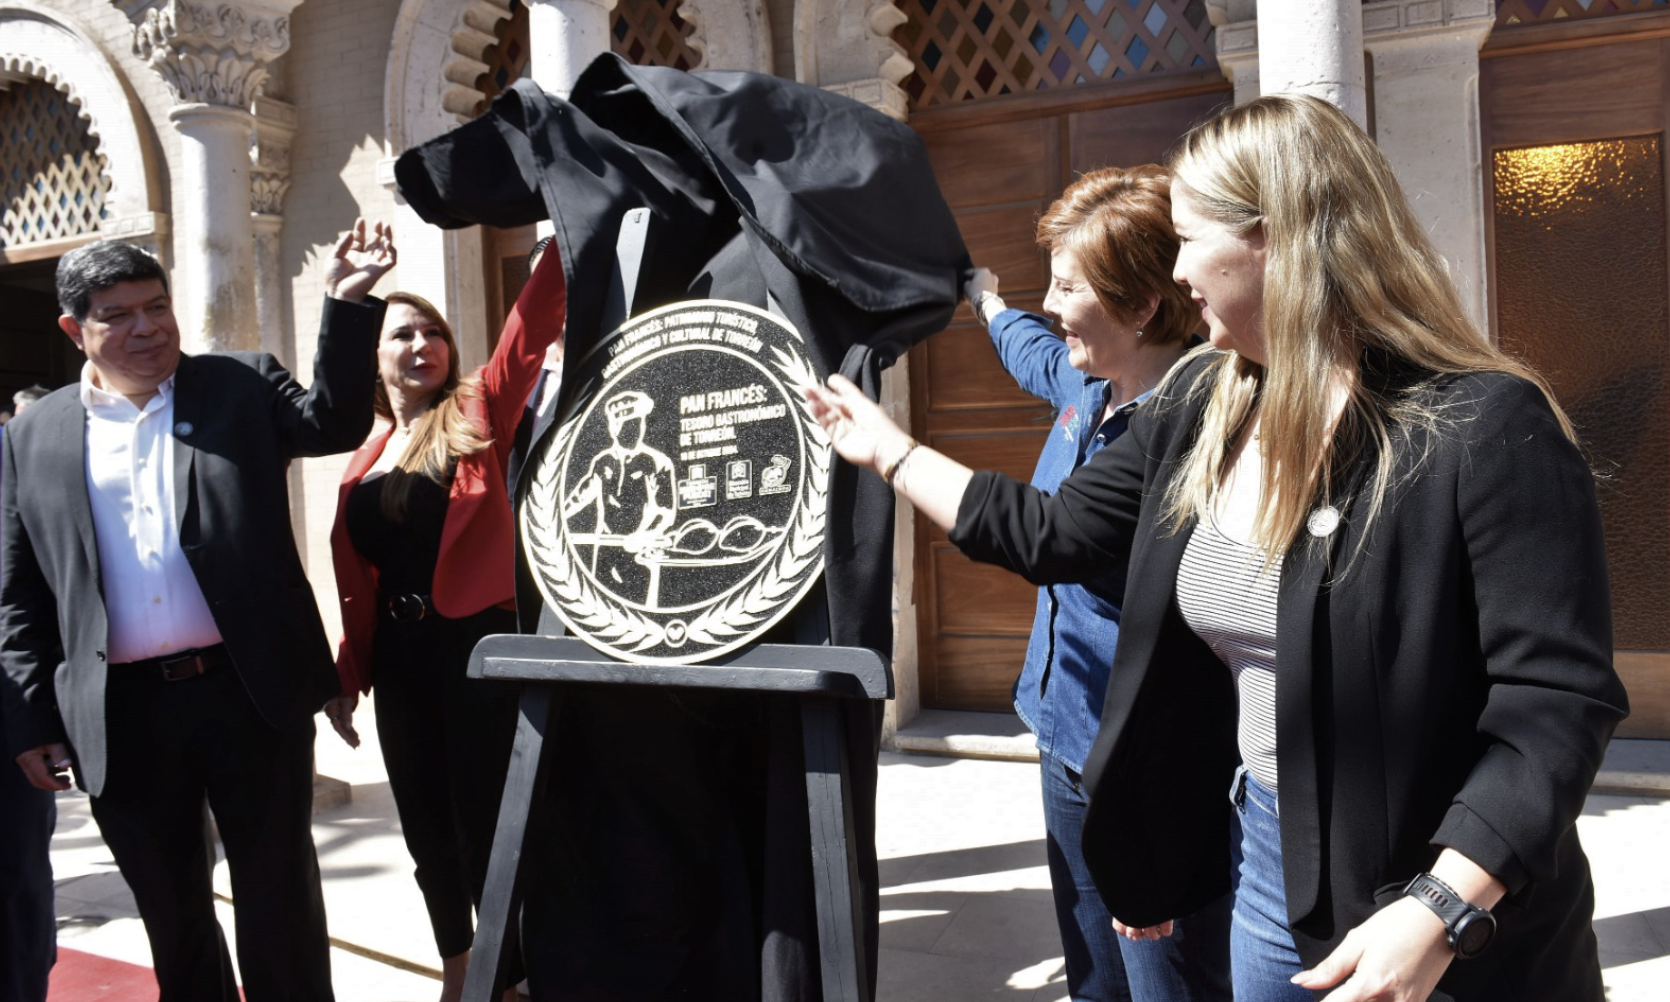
(1061,686)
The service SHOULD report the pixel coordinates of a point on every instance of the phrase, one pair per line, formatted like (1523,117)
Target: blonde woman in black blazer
(1443,686)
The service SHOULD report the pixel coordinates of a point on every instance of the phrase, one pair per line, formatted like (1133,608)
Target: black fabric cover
(757,186)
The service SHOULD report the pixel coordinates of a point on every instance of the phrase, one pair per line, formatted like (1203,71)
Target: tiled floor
(965,899)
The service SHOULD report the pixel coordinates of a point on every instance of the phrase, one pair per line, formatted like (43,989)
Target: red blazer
(476,567)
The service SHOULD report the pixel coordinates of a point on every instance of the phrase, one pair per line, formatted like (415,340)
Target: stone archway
(40,44)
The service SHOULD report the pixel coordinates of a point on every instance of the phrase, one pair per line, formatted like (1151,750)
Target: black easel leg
(840,943)
(500,897)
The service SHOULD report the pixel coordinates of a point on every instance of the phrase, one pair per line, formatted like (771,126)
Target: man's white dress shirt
(151,597)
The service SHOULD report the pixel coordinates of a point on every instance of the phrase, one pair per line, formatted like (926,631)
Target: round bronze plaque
(678,510)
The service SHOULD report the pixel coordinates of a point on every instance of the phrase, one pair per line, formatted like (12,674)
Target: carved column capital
(847,46)
(214,52)
(269,155)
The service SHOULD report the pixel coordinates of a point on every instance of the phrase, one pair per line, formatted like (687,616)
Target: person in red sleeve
(424,549)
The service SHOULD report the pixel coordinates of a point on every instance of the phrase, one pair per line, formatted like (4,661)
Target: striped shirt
(1228,597)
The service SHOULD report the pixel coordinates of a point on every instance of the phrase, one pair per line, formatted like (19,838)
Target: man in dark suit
(27,929)
(156,626)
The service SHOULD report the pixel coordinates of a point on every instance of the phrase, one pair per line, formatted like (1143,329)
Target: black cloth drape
(782,196)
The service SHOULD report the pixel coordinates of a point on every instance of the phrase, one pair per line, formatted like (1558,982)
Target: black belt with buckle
(181,665)
(410,608)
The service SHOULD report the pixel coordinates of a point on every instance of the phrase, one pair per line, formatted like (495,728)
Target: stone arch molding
(39,44)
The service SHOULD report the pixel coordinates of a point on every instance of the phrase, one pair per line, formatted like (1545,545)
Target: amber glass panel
(1580,291)
(967,50)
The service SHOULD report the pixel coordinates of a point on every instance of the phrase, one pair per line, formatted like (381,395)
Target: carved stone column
(269,156)
(214,57)
(565,36)
(1321,47)
(1426,116)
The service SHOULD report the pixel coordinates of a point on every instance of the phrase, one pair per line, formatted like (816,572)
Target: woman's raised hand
(860,430)
(362,257)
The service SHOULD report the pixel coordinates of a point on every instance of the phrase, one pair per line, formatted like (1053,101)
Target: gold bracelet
(892,470)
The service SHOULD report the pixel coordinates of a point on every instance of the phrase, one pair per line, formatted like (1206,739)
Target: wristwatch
(1468,927)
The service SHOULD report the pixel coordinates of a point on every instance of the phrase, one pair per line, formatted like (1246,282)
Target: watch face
(1473,933)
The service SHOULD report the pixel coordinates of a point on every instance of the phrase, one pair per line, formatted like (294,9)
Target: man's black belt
(410,608)
(181,665)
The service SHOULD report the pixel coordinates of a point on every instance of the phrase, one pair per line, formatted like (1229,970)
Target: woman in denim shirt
(1123,324)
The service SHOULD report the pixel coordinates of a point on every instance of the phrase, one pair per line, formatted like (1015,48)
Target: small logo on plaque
(739,482)
(678,510)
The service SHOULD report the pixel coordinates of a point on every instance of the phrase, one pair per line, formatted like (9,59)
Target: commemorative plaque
(678,510)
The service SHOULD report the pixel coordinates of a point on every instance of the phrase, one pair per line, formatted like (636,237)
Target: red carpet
(85,977)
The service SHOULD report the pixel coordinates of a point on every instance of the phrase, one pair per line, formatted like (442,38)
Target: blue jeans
(1190,965)
(1261,947)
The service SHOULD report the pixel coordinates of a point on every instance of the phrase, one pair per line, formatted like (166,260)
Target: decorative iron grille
(646,32)
(52,178)
(969,50)
(1514,12)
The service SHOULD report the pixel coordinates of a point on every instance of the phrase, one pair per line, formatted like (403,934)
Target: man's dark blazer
(1443,677)
(239,419)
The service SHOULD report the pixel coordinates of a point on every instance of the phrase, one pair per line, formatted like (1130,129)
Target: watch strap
(1450,907)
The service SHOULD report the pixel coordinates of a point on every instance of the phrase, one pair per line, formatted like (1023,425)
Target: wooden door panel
(964,373)
(979,599)
(1592,92)
(1134,133)
(1001,238)
(985,675)
(990,164)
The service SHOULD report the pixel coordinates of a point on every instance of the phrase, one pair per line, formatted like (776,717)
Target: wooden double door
(1000,165)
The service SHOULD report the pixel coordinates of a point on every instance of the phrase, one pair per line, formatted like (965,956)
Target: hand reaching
(981,290)
(360,259)
(860,430)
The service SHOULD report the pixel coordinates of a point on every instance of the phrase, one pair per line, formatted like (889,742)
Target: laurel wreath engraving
(725,623)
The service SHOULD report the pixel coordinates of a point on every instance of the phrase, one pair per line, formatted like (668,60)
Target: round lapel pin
(183,429)
(1323,521)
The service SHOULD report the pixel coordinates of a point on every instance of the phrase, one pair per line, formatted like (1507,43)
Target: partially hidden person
(424,552)
(1121,323)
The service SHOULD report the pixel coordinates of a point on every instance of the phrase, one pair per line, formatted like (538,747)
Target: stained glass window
(967,50)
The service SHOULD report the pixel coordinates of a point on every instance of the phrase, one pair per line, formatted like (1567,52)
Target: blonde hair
(1117,224)
(1356,299)
(442,434)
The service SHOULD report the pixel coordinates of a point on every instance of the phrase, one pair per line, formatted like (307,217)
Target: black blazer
(247,418)
(1450,683)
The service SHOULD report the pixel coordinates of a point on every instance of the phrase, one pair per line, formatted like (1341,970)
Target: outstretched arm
(865,436)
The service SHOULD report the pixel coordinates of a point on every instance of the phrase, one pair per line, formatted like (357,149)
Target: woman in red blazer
(423,548)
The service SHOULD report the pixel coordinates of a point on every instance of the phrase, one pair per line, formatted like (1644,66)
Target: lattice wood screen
(1512,12)
(646,32)
(52,178)
(650,33)
(967,50)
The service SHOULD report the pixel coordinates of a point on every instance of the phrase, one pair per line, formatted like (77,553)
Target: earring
(1139,332)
